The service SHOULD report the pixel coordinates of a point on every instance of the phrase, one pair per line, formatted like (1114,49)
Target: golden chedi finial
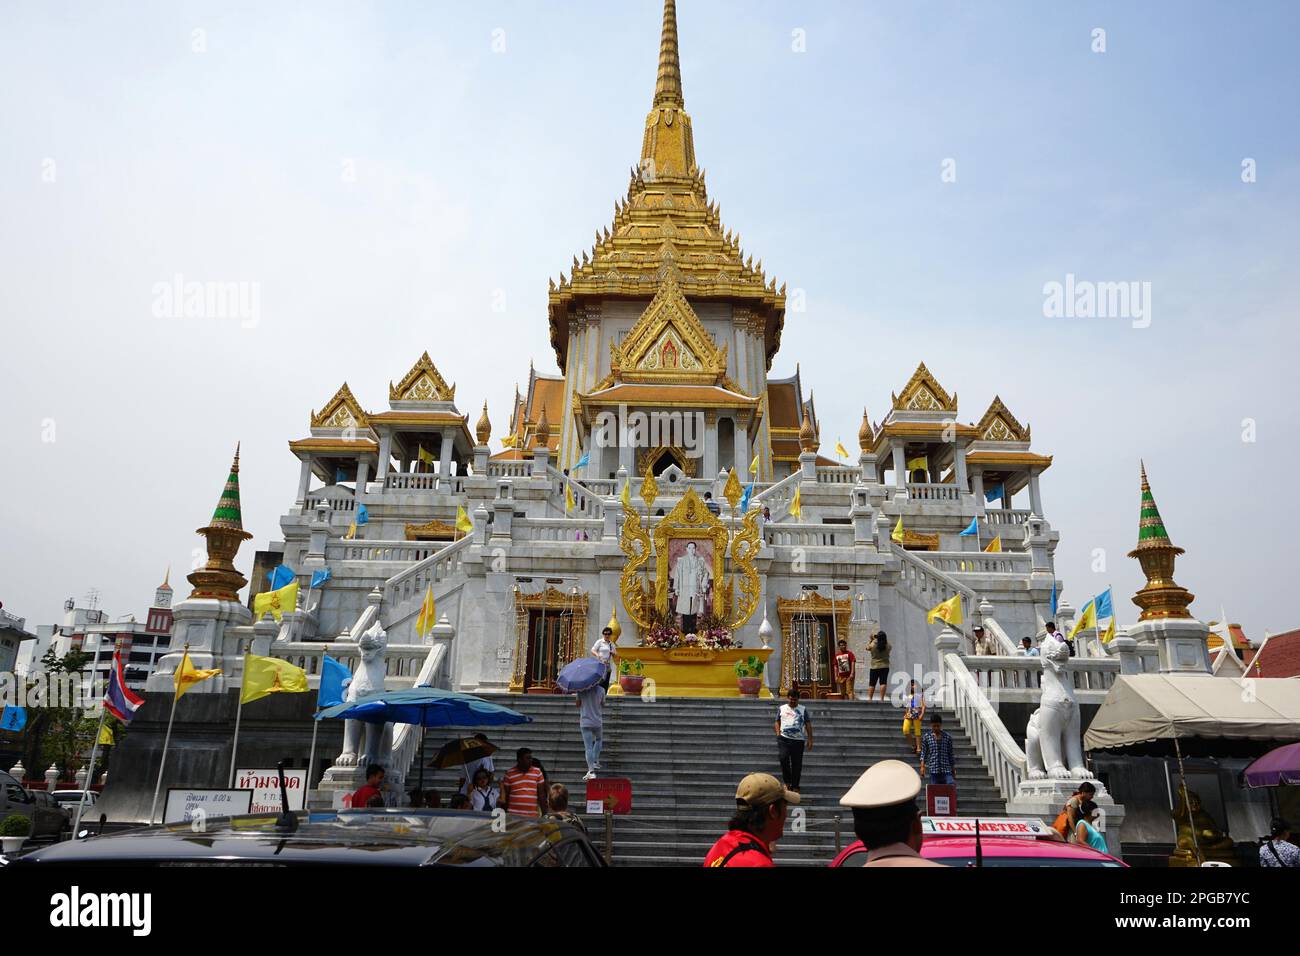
(1161,597)
(218,579)
(807,434)
(483,428)
(668,87)
(543,431)
(865,433)
(668,147)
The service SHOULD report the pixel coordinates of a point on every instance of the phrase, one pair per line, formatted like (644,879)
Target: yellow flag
(270,675)
(627,494)
(428,616)
(568,498)
(918,464)
(463,524)
(276,602)
(426,456)
(994,546)
(352,532)
(187,675)
(796,506)
(898,531)
(1110,632)
(1086,620)
(841,450)
(753,466)
(106,736)
(948,611)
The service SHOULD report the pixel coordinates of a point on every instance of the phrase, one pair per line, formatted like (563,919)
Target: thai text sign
(615,791)
(265,785)
(189,806)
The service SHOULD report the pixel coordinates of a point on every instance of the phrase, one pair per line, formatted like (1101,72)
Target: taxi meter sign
(1028,827)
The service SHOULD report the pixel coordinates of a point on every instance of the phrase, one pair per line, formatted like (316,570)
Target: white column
(304,482)
(978,479)
(960,464)
(710,444)
(363,476)
(385,456)
(1035,496)
(444,462)
(742,453)
(900,465)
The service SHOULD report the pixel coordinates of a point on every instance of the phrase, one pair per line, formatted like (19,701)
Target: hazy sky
(384,175)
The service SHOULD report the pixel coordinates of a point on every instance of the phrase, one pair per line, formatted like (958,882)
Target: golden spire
(543,431)
(483,429)
(865,433)
(218,578)
(668,88)
(807,434)
(1161,597)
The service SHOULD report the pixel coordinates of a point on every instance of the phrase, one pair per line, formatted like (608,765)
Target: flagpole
(167,741)
(239,713)
(90,776)
(311,761)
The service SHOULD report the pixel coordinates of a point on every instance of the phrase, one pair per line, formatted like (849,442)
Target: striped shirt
(523,786)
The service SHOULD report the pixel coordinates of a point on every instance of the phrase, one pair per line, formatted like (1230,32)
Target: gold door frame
(561,602)
(788,609)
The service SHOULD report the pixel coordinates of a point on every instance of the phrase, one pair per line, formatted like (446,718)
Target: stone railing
(977,562)
(777,497)
(556,529)
(510,469)
(405,551)
(1007,516)
(838,474)
(605,487)
(333,502)
(1016,679)
(996,747)
(402,662)
(421,481)
(1009,647)
(928,584)
(917,491)
(412,583)
(586,503)
(787,534)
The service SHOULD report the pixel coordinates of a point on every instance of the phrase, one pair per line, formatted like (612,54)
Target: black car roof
(354,837)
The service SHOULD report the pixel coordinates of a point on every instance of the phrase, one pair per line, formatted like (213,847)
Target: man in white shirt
(603,649)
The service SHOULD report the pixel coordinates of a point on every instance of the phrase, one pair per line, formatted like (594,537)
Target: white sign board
(185,806)
(265,785)
(1029,827)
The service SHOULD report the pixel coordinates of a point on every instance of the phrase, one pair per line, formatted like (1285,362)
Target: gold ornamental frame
(551,599)
(434,530)
(646,460)
(690,519)
(810,602)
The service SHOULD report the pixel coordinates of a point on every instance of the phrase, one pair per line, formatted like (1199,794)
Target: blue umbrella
(582,674)
(426,707)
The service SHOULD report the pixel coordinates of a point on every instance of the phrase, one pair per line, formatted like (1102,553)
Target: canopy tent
(1154,714)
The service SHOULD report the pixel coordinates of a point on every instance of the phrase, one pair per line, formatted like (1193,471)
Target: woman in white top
(483,795)
(603,649)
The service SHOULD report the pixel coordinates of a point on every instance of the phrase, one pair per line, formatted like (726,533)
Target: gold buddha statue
(1210,843)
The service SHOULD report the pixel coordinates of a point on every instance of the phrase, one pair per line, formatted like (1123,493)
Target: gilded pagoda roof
(423,383)
(999,425)
(700,396)
(923,393)
(667,227)
(341,411)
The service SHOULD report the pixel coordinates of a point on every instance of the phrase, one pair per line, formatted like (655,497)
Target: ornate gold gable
(998,424)
(341,411)
(668,343)
(923,393)
(434,530)
(423,383)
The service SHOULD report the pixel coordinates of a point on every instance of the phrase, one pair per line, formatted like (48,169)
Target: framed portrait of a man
(690,580)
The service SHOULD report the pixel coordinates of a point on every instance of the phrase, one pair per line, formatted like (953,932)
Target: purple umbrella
(1275,768)
(582,674)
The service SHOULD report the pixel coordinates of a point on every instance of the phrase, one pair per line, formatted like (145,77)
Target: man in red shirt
(761,804)
(372,788)
(846,669)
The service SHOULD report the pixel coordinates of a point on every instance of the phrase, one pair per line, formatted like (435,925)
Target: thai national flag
(119,699)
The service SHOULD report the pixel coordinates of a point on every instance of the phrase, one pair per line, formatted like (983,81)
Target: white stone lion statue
(368,678)
(1053,747)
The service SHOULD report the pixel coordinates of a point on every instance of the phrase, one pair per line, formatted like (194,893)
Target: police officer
(885,815)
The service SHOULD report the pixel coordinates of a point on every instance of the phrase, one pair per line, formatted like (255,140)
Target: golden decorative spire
(668,88)
(865,433)
(543,431)
(483,429)
(218,579)
(1161,597)
(807,434)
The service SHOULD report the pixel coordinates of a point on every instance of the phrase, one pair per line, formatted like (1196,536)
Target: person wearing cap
(603,650)
(885,815)
(983,645)
(761,804)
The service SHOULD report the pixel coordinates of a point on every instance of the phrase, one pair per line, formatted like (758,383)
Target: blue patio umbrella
(582,674)
(425,707)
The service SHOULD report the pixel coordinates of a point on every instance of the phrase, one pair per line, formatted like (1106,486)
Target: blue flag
(14,719)
(281,576)
(333,674)
(1053,597)
(993,494)
(340,475)
(363,516)
(1104,608)
(972,529)
(320,576)
(744,499)
(584,461)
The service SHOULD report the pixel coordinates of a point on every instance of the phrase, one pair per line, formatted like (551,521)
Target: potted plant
(14,831)
(631,675)
(749,675)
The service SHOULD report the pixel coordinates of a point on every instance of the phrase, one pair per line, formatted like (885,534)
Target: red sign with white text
(615,791)
(941,800)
